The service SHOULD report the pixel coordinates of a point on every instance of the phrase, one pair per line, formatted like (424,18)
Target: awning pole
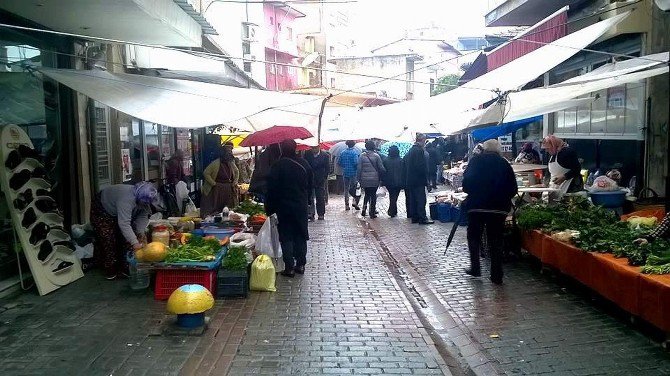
(323,107)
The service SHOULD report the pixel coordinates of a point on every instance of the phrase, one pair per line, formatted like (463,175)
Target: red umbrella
(324,146)
(274,135)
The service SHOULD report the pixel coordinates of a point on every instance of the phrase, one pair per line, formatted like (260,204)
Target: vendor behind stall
(220,188)
(564,166)
(528,155)
(120,210)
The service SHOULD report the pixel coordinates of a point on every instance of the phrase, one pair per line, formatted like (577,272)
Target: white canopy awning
(190,104)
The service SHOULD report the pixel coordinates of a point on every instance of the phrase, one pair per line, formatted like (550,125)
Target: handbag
(645,202)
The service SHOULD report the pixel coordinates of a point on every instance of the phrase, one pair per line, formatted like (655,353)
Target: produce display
(595,229)
(235,259)
(249,207)
(152,252)
(195,249)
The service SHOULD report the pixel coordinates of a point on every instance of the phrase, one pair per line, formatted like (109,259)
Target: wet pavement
(378,297)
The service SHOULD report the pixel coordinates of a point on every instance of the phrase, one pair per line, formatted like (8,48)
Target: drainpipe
(323,107)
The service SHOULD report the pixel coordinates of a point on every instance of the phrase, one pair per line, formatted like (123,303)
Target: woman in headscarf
(564,166)
(393,179)
(220,189)
(120,216)
(528,155)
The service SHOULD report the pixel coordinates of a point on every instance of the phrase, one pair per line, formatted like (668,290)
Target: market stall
(591,245)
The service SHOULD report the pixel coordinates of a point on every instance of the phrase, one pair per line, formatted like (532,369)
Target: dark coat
(433,155)
(289,182)
(394,174)
(489,182)
(416,167)
(320,165)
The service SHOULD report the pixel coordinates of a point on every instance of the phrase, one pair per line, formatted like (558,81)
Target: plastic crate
(168,280)
(232,283)
(444,213)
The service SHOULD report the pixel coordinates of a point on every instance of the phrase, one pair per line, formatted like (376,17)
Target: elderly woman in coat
(370,172)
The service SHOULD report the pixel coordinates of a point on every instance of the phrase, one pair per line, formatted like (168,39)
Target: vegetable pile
(249,207)
(195,249)
(235,259)
(599,230)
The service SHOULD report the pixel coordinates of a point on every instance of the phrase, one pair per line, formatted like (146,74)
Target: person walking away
(349,162)
(369,174)
(393,179)
(289,182)
(490,184)
(120,216)
(564,166)
(320,164)
(416,172)
(258,183)
(433,162)
(220,189)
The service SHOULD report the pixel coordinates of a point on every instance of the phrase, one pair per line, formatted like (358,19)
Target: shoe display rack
(37,219)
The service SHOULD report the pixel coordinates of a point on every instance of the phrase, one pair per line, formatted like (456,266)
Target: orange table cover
(655,300)
(531,241)
(617,281)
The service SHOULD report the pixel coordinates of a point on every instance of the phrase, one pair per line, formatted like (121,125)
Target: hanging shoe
(19,179)
(46,205)
(62,265)
(13,160)
(29,217)
(39,233)
(45,250)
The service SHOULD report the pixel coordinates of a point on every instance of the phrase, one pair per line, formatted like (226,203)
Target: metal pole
(323,107)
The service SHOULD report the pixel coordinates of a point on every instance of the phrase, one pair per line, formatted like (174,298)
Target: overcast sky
(383,20)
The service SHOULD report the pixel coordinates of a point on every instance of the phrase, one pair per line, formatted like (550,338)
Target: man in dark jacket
(320,163)
(416,180)
(433,162)
(490,184)
(289,184)
(393,179)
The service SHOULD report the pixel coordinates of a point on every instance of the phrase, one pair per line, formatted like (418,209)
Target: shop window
(102,158)
(247,66)
(246,48)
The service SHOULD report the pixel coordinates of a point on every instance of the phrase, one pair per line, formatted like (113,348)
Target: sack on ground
(262,274)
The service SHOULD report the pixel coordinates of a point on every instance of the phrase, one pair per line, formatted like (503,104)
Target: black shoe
(356,207)
(288,273)
(373,216)
(415,221)
(347,208)
(496,281)
(470,271)
(426,222)
(311,218)
(300,269)
(321,218)
(363,213)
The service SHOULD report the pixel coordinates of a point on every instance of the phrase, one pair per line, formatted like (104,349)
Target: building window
(273,69)
(246,48)
(272,21)
(247,66)
(289,33)
(332,82)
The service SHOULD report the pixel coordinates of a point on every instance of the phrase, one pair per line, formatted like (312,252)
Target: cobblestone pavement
(531,325)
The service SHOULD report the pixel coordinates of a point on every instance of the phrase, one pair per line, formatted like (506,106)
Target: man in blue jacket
(349,162)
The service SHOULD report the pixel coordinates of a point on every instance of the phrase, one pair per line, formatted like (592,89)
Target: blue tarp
(483,134)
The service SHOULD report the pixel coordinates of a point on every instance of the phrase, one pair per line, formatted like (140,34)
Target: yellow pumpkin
(139,255)
(155,252)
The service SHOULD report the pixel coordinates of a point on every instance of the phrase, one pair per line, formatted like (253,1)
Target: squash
(154,252)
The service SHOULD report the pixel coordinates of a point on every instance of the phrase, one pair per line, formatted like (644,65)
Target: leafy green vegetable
(197,249)
(235,259)
(250,208)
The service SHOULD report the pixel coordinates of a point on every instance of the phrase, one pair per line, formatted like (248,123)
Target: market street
(351,313)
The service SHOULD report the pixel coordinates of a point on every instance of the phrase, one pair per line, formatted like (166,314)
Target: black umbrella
(461,215)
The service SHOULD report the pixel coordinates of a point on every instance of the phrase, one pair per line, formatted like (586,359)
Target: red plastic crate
(168,280)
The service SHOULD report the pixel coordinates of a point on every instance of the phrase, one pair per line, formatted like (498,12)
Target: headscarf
(553,144)
(394,151)
(145,192)
(492,146)
(227,154)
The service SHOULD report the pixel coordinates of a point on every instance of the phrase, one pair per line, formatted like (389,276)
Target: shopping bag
(262,274)
(358,190)
(381,192)
(267,242)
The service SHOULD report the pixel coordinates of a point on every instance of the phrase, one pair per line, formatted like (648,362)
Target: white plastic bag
(604,184)
(267,242)
(381,192)
(243,239)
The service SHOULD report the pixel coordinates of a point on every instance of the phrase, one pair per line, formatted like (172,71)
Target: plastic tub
(444,213)
(613,199)
(219,233)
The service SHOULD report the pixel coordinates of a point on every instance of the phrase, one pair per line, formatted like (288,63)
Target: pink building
(281,46)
